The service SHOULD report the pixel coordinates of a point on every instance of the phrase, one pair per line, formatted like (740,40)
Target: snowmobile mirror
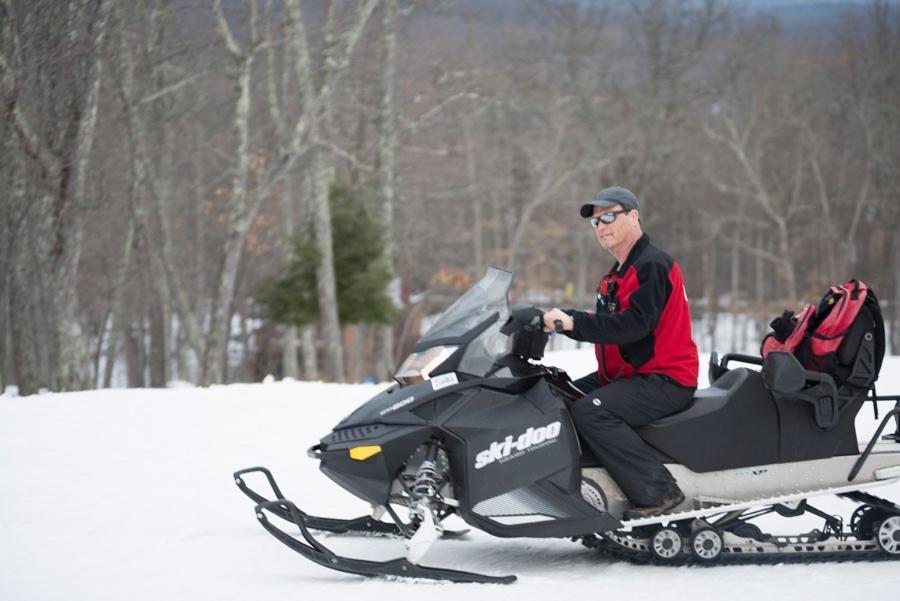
(521,316)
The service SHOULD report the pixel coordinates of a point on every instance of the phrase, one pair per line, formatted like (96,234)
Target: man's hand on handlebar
(557,315)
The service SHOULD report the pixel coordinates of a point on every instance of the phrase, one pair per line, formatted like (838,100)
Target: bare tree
(63,166)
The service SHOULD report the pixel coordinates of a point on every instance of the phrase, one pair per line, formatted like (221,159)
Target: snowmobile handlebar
(751,359)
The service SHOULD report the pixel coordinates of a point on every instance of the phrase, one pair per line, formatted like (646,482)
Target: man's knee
(590,409)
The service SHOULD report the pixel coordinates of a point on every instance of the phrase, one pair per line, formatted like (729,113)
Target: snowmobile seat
(733,423)
(817,417)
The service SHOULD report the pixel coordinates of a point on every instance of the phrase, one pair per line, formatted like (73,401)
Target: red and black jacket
(643,322)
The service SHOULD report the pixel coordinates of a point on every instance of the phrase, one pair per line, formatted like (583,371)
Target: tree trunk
(787,263)
(711,317)
(760,290)
(246,371)
(310,358)
(73,360)
(386,164)
(322,173)
(895,302)
(5,281)
(116,319)
(22,332)
(353,341)
(159,344)
(8,179)
(242,205)
(289,367)
(134,353)
(735,291)
(475,196)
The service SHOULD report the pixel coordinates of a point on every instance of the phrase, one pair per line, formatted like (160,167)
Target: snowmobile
(476,427)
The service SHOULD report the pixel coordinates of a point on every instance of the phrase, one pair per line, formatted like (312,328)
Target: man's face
(612,235)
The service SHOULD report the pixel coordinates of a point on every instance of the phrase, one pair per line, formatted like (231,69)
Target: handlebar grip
(558,326)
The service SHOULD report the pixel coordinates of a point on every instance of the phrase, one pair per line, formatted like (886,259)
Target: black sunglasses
(607,217)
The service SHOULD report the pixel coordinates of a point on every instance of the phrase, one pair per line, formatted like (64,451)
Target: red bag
(845,328)
(794,327)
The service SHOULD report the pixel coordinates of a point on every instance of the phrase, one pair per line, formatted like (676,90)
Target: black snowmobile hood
(394,405)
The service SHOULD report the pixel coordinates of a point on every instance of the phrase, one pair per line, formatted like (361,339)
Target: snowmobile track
(607,547)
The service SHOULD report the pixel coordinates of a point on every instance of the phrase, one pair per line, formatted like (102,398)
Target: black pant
(605,417)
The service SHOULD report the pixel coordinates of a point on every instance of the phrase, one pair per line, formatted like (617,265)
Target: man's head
(615,216)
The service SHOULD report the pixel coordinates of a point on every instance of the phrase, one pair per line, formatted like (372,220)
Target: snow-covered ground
(127,495)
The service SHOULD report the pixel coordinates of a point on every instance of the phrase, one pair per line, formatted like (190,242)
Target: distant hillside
(796,15)
(793,14)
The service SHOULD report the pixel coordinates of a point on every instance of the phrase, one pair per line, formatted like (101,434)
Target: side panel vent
(434,408)
(351,434)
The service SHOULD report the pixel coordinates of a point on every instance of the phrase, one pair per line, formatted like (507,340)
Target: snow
(127,494)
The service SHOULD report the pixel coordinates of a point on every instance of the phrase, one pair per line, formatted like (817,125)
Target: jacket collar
(636,250)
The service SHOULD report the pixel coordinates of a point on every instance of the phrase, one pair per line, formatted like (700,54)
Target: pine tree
(361,268)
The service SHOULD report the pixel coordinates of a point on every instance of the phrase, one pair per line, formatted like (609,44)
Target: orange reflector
(363,453)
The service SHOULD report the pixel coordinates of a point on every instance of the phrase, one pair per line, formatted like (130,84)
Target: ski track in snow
(127,495)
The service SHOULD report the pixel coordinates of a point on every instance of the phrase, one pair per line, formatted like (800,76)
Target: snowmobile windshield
(488,297)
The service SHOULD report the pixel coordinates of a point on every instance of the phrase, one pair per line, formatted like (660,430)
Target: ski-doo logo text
(531,439)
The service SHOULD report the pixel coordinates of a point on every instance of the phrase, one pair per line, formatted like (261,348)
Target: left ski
(360,525)
(322,555)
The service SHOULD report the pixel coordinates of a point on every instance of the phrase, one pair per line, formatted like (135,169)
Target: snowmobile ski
(361,525)
(366,524)
(322,555)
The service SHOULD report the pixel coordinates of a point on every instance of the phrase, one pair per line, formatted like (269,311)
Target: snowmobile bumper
(322,555)
(361,525)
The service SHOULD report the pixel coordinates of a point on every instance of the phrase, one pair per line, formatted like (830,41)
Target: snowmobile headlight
(363,453)
(418,366)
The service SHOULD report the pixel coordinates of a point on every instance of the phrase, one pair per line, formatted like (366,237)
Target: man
(647,360)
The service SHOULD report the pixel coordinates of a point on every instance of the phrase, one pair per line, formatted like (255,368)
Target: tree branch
(225,30)
(171,89)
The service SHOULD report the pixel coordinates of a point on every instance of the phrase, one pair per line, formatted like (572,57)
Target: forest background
(161,160)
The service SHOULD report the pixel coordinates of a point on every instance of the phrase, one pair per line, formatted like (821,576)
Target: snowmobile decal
(443,381)
(397,405)
(530,440)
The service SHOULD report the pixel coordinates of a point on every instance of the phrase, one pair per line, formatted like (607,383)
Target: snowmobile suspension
(426,483)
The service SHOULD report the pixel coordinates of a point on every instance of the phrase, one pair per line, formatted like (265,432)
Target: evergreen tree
(361,269)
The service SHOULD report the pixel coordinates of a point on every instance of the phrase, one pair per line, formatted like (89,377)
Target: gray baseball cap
(610,197)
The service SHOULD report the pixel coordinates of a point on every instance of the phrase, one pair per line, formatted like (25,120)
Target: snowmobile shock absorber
(426,484)
(425,487)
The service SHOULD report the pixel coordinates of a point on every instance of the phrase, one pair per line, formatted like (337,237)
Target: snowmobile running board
(767,501)
(322,555)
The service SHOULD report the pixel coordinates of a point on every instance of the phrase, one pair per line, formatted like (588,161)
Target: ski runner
(647,360)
